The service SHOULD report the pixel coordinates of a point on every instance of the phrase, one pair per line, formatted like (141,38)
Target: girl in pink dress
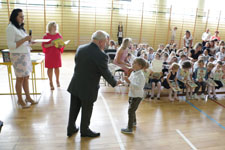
(52,54)
(121,57)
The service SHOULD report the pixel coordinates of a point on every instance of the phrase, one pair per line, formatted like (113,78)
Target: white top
(14,35)
(137,83)
(217,74)
(156,65)
(151,57)
(187,40)
(111,47)
(206,36)
(120,34)
(220,56)
(173,35)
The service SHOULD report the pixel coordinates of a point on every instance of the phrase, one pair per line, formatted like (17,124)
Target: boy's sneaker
(214,98)
(126,130)
(210,97)
(196,96)
(192,97)
(202,96)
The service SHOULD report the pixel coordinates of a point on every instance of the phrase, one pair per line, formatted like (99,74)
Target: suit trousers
(75,105)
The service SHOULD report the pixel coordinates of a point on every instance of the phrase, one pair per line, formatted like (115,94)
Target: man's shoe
(71,133)
(90,134)
(126,130)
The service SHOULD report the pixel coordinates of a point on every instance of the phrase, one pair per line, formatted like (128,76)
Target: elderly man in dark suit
(90,65)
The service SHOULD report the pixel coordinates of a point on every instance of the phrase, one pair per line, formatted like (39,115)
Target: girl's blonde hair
(174,66)
(125,43)
(50,25)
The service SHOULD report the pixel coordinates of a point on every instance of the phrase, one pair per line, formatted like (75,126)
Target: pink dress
(52,54)
(122,58)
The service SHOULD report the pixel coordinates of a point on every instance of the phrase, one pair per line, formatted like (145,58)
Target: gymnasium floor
(161,125)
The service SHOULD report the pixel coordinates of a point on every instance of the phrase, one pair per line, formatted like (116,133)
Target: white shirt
(187,41)
(14,35)
(111,47)
(206,36)
(220,56)
(120,34)
(137,83)
(173,35)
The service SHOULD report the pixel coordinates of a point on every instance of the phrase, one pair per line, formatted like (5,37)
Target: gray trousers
(133,106)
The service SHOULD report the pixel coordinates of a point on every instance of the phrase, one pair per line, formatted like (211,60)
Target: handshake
(125,82)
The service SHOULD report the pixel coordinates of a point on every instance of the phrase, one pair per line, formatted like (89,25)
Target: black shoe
(153,97)
(71,133)
(90,134)
(158,98)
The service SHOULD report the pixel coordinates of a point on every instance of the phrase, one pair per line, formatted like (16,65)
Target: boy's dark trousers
(133,105)
(200,84)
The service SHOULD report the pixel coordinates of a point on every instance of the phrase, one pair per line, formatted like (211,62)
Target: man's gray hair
(99,35)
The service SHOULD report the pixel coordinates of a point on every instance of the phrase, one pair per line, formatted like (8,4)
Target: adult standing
(19,46)
(173,35)
(120,33)
(91,64)
(206,37)
(188,39)
(216,36)
(52,53)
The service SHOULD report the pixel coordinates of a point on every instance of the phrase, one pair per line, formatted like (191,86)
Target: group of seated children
(174,70)
(190,70)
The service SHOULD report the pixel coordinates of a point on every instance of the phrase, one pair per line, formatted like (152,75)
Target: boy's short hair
(200,61)
(166,55)
(186,64)
(219,63)
(183,55)
(211,58)
(140,62)
(159,51)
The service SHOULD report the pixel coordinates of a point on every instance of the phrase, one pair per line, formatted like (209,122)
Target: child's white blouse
(137,83)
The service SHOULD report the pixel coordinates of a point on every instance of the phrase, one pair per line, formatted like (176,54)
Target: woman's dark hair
(13,20)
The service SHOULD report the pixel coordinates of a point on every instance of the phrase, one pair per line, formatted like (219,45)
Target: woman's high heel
(23,106)
(51,86)
(58,84)
(31,101)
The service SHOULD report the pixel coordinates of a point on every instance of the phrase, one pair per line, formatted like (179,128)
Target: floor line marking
(218,103)
(186,139)
(113,123)
(213,120)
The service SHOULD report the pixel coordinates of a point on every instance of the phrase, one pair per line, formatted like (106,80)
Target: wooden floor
(162,125)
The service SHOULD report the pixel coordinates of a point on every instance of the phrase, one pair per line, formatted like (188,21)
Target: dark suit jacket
(90,64)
